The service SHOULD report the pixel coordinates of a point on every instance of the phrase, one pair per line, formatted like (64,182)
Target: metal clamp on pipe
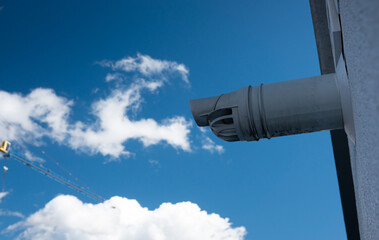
(272,110)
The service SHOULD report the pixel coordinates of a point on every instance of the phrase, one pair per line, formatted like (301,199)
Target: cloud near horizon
(42,113)
(66,217)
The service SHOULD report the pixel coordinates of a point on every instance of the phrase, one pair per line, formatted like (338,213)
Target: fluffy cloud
(115,127)
(66,217)
(42,113)
(38,114)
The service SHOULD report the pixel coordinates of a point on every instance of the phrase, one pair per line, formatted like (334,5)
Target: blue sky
(282,188)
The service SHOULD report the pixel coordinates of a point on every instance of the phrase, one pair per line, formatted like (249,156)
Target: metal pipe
(272,110)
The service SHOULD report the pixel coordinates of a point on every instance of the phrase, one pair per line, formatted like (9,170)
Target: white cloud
(149,67)
(42,113)
(208,144)
(66,217)
(114,127)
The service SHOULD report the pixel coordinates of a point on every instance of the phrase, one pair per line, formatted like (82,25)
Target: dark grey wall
(360,30)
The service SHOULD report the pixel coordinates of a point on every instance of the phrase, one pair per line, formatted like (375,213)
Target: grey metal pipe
(272,110)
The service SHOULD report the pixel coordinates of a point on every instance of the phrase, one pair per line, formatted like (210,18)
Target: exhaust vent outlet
(228,115)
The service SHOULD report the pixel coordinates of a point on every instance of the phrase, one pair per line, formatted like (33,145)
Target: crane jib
(51,175)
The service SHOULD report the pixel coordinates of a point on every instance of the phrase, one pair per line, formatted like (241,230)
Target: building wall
(360,31)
